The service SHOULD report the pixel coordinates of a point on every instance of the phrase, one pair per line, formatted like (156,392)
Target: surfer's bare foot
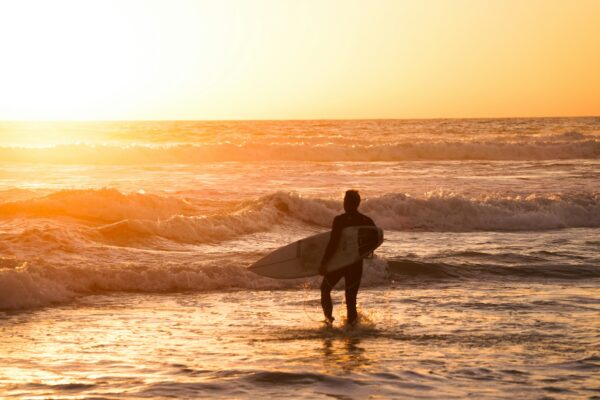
(329,321)
(351,323)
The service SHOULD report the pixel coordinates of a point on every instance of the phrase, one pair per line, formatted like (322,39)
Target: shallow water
(419,340)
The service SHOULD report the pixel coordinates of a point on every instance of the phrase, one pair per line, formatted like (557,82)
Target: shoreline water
(417,342)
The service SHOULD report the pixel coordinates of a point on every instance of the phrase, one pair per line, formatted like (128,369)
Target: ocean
(124,248)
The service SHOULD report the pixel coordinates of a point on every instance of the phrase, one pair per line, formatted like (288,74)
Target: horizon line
(297,119)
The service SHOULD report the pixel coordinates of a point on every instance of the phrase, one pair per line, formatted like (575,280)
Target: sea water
(124,247)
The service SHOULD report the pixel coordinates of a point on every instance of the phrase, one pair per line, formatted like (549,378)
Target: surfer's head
(351,200)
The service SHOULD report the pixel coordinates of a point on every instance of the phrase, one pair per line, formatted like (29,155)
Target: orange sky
(246,59)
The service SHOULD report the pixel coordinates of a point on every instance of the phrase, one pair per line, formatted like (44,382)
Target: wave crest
(454,212)
(137,216)
(97,205)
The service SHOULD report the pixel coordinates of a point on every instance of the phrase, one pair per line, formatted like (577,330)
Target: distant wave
(564,146)
(129,216)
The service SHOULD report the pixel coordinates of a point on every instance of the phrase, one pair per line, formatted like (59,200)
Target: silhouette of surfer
(352,273)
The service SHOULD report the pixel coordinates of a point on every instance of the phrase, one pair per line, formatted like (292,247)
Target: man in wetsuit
(351,273)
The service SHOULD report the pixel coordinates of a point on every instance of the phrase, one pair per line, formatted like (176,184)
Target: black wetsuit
(351,273)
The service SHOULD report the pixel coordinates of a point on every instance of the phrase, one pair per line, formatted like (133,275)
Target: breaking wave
(453,212)
(130,215)
(39,284)
(97,205)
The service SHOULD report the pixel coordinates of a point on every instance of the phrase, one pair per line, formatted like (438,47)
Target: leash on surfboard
(306,286)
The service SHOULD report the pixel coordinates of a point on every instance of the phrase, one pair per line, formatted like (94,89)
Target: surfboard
(302,258)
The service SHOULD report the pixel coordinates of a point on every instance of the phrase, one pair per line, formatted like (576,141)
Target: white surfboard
(302,258)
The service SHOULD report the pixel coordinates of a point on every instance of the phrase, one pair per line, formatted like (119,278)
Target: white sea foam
(39,283)
(453,212)
(22,287)
(441,211)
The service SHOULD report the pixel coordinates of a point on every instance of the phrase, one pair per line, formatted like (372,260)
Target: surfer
(352,273)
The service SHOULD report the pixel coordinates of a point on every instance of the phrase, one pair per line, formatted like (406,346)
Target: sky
(289,59)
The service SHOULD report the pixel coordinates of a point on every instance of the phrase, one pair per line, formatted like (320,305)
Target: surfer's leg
(352,277)
(329,281)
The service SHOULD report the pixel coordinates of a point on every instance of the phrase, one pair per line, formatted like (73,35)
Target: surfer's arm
(334,239)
